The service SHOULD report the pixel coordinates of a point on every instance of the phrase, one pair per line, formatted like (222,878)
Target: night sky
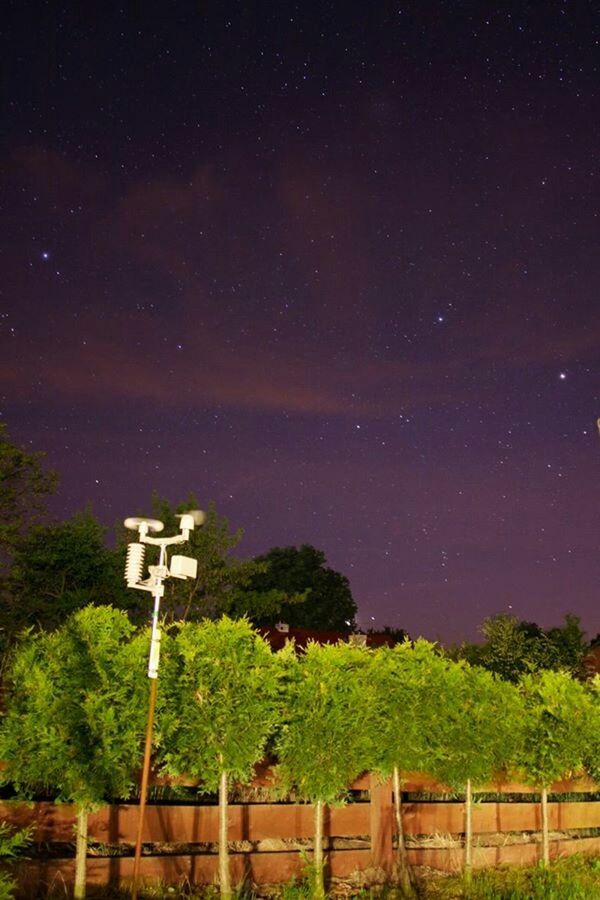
(332,265)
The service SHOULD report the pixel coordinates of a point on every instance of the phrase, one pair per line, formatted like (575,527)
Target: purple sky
(336,268)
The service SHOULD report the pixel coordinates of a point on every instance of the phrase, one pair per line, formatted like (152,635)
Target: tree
(402,696)
(478,734)
(560,725)
(222,698)
(59,568)
(592,756)
(76,714)
(569,645)
(457,722)
(24,486)
(223,584)
(301,571)
(324,744)
(513,648)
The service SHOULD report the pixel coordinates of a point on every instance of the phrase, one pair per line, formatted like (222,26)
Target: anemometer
(180,567)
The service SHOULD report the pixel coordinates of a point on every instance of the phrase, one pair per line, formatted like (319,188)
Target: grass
(575,878)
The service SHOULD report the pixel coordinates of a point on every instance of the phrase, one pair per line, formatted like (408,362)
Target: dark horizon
(335,270)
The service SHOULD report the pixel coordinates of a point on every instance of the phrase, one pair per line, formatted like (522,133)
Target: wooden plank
(257,868)
(448,818)
(51,822)
(362,783)
(433,818)
(451,859)
(381,824)
(199,824)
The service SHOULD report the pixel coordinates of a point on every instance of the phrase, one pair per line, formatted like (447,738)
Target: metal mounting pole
(182,567)
(153,676)
(144,789)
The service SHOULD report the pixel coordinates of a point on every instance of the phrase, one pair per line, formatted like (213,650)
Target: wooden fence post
(382,816)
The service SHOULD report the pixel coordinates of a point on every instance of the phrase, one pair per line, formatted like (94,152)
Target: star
(563,376)
(45,255)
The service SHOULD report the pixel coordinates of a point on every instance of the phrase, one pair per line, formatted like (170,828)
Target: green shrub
(12,844)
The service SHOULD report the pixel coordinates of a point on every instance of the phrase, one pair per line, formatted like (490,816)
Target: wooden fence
(266,839)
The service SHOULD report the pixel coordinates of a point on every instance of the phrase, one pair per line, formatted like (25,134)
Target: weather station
(183,567)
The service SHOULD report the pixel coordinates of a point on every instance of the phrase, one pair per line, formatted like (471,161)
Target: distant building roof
(277,635)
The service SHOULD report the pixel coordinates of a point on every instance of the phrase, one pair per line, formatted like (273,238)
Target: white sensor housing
(183,567)
(134,565)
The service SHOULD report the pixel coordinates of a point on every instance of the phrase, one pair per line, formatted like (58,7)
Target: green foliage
(60,568)
(477,730)
(301,574)
(402,699)
(76,708)
(222,701)
(569,645)
(428,712)
(7,887)
(513,648)
(324,745)
(13,843)
(592,755)
(560,724)
(24,486)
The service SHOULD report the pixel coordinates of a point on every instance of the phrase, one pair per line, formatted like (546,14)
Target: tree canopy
(302,572)
(513,648)
(222,693)
(324,745)
(76,713)
(76,700)
(24,487)
(61,567)
(560,727)
(560,723)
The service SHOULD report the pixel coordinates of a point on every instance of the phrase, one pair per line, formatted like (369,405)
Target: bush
(12,844)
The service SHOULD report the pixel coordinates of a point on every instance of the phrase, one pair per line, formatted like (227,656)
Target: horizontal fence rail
(266,839)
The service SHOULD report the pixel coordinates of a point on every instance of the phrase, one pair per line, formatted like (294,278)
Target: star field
(334,267)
